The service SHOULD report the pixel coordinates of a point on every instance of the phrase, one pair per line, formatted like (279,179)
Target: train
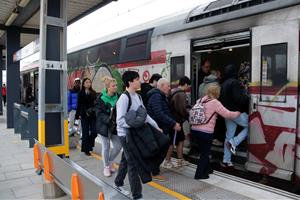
(262,34)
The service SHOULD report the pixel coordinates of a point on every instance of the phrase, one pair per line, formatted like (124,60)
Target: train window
(136,47)
(273,72)
(177,69)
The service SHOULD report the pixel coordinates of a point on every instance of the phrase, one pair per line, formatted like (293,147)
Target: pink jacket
(211,107)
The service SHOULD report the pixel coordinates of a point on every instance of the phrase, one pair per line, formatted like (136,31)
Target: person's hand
(177,127)
(160,130)
(239,113)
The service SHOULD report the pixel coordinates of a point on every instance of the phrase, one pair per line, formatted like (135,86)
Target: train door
(273,106)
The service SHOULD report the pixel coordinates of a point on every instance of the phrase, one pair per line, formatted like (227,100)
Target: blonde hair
(213,90)
(107,80)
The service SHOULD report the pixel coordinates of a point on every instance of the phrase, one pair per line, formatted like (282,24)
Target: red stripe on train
(273,90)
(157,57)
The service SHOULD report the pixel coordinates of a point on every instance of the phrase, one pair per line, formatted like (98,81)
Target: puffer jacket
(72,99)
(158,108)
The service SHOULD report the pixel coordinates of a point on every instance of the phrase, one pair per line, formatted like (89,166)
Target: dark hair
(155,77)
(129,76)
(83,88)
(184,80)
(204,61)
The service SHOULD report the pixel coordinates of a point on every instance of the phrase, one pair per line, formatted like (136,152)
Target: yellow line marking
(168,191)
(152,184)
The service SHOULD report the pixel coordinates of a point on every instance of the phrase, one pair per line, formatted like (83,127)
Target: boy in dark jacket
(233,98)
(146,87)
(158,109)
(179,108)
(72,102)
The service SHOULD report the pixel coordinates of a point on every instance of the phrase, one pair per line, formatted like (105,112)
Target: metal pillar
(12,72)
(1,68)
(52,103)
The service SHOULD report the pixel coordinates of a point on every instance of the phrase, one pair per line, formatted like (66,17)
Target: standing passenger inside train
(158,108)
(203,127)
(234,98)
(179,108)
(106,124)
(204,71)
(86,112)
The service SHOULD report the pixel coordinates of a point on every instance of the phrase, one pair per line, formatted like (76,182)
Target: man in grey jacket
(131,80)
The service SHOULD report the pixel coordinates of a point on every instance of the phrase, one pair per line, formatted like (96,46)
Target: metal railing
(70,177)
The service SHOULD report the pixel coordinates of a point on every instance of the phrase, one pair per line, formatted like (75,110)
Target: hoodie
(206,81)
(233,97)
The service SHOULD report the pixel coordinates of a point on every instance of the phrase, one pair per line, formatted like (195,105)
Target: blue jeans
(231,125)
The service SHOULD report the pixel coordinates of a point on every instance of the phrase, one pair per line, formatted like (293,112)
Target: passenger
(234,98)
(72,103)
(146,87)
(106,124)
(86,112)
(212,78)
(158,109)
(202,133)
(4,94)
(204,71)
(179,108)
(131,80)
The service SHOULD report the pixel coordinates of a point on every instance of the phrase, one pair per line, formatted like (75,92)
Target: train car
(262,35)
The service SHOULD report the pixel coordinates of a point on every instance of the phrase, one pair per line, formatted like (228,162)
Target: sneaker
(106,171)
(167,164)
(122,190)
(181,163)
(158,178)
(216,142)
(226,164)
(232,149)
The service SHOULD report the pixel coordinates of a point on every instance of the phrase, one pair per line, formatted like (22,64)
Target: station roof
(25,14)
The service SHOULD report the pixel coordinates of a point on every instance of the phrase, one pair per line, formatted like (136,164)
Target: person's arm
(157,102)
(101,112)
(221,110)
(79,104)
(69,101)
(180,104)
(121,107)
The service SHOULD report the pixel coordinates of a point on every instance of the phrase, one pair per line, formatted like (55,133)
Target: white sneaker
(106,171)
(167,164)
(232,149)
(122,190)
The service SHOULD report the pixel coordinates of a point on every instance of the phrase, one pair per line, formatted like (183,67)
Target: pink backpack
(197,114)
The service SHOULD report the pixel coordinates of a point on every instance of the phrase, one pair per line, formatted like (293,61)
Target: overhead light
(23,3)
(12,17)
(230,49)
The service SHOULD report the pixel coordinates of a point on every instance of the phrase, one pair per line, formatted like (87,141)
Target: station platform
(179,182)
(18,179)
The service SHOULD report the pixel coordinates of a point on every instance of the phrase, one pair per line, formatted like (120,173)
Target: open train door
(274,100)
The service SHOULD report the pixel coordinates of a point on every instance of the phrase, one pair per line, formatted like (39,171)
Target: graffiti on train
(157,64)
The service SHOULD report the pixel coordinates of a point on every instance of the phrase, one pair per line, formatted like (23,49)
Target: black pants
(204,141)
(127,164)
(4,99)
(89,134)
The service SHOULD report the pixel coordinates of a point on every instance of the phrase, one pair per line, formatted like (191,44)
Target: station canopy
(25,14)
